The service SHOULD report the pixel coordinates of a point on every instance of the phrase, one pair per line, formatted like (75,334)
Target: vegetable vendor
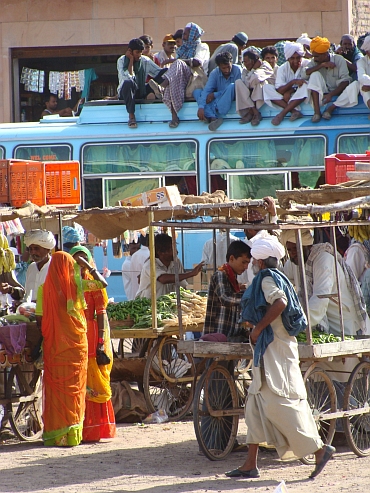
(165,269)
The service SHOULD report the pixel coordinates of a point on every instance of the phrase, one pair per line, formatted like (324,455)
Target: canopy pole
(177,283)
(60,231)
(302,273)
(332,229)
(153,277)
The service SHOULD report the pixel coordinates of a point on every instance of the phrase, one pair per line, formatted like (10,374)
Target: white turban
(40,237)
(304,39)
(289,235)
(267,247)
(290,48)
(366,44)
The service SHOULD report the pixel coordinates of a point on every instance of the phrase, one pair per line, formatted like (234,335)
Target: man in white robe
(328,76)
(290,89)
(363,72)
(277,411)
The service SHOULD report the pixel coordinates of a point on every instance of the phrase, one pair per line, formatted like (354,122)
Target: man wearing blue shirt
(215,99)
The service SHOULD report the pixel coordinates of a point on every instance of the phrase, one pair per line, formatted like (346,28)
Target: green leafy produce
(322,337)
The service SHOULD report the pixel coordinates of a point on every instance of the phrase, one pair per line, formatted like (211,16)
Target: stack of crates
(337,165)
(40,182)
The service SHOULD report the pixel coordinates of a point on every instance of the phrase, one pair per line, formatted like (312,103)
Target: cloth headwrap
(304,39)
(252,54)
(188,47)
(366,44)
(320,45)
(80,248)
(71,235)
(289,235)
(252,216)
(40,237)
(290,48)
(349,36)
(267,247)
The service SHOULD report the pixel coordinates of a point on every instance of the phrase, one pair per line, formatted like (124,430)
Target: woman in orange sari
(61,304)
(99,414)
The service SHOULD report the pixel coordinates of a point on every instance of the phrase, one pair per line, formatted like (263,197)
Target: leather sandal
(132,123)
(174,123)
(237,473)
(329,451)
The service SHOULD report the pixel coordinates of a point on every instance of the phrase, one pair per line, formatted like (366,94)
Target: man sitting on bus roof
(328,76)
(236,45)
(350,53)
(133,70)
(290,89)
(215,99)
(165,57)
(363,72)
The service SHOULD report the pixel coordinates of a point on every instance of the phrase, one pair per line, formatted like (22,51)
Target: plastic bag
(27,309)
(159,416)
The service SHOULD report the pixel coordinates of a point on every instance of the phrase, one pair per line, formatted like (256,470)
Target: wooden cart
(217,406)
(21,388)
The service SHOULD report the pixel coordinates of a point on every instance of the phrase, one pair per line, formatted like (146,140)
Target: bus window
(304,179)
(44,153)
(116,189)
(353,144)
(151,157)
(2,153)
(93,193)
(256,186)
(187,185)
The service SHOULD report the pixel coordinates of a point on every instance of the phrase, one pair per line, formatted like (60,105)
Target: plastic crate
(337,165)
(4,181)
(62,182)
(27,182)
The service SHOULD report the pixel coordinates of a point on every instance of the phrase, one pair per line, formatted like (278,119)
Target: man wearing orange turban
(328,77)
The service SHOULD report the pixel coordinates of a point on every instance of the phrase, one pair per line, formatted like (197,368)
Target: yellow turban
(289,235)
(320,45)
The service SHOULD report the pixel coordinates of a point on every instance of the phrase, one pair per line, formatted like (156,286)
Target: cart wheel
(322,398)
(215,391)
(356,397)
(168,380)
(132,347)
(24,393)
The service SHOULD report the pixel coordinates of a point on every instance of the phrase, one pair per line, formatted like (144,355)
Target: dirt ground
(163,458)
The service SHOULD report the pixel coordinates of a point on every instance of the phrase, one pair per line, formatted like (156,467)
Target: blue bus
(244,161)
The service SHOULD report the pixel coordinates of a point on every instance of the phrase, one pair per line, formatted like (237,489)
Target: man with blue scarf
(276,411)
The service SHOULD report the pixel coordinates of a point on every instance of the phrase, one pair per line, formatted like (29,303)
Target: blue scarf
(254,306)
(188,48)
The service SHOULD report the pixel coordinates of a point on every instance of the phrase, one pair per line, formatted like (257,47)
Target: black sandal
(132,123)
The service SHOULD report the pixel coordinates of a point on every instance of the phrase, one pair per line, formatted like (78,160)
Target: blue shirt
(218,83)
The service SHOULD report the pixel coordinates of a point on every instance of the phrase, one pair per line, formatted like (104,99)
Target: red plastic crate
(27,182)
(337,165)
(4,181)
(62,182)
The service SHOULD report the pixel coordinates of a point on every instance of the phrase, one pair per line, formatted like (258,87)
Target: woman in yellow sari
(99,414)
(61,304)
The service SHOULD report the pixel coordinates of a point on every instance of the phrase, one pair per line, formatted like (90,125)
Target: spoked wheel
(133,347)
(216,415)
(168,380)
(24,393)
(322,400)
(357,401)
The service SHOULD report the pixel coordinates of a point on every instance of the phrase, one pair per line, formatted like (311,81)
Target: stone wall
(360,17)
(38,23)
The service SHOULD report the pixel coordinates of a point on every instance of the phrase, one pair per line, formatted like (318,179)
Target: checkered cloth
(178,75)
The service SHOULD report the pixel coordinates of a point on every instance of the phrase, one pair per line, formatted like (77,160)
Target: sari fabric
(65,351)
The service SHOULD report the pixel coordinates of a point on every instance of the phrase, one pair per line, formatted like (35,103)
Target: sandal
(246,119)
(277,120)
(132,123)
(174,123)
(256,120)
(296,115)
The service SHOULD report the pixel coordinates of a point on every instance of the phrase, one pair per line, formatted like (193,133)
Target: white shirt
(145,290)
(161,56)
(34,278)
(137,262)
(126,278)
(221,249)
(202,55)
(363,71)
(285,73)
(355,257)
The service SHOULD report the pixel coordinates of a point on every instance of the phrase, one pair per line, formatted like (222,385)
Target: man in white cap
(39,243)
(290,89)
(276,411)
(363,72)
(234,47)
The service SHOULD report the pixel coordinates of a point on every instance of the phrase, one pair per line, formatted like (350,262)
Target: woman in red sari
(61,304)
(99,414)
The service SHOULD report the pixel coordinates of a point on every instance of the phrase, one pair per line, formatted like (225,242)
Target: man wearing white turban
(305,41)
(39,243)
(290,89)
(363,72)
(276,411)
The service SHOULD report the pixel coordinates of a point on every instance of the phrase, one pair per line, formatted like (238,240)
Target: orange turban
(320,45)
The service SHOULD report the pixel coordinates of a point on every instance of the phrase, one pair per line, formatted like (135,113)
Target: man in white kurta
(137,262)
(277,411)
(290,89)
(327,75)
(363,72)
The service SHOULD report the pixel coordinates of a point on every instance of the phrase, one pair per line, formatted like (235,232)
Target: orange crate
(4,181)
(62,182)
(337,165)
(27,182)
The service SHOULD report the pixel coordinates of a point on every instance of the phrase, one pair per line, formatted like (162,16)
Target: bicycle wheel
(357,397)
(322,399)
(216,391)
(24,393)
(168,380)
